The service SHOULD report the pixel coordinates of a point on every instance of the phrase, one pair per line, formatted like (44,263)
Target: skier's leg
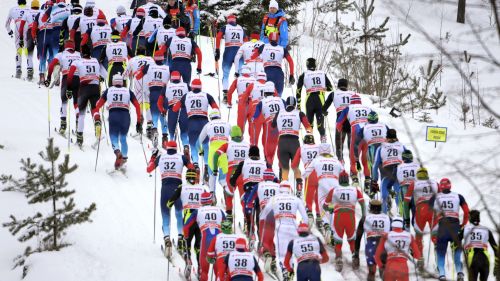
(227,63)
(165,211)
(125,125)
(172,123)
(183,125)
(114,129)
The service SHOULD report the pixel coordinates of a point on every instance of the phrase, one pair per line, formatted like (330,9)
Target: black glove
(407,224)
(101,79)
(374,187)
(46,82)
(69,93)
(10,33)
(155,153)
(21,43)
(217,54)
(325,113)
(291,79)
(236,75)
(201,153)
(215,173)
(138,128)
(420,265)
(198,71)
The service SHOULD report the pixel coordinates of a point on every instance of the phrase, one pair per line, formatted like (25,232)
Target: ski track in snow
(118,245)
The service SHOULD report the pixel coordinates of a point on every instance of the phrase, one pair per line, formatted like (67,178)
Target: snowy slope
(118,245)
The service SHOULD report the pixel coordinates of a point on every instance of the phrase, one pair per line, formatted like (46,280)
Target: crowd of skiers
(146,60)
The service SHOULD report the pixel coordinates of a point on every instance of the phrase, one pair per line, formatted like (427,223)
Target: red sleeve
(98,106)
(260,276)
(380,251)
(139,73)
(151,165)
(72,34)
(324,257)
(160,104)
(245,38)
(71,72)
(414,247)
(137,110)
(21,28)
(304,121)
(290,63)
(465,208)
(222,148)
(246,94)
(198,56)
(214,105)
(360,196)
(255,54)
(85,38)
(34,29)
(217,40)
(51,66)
(211,248)
(231,90)
(45,16)
(177,106)
(329,196)
(296,159)
(123,35)
(288,256)
(222,272)
(409,192)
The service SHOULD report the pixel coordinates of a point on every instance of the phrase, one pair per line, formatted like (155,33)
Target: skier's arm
(323,252)
(329,85)
(199,56)
(187,163)
(211,249)
(34,28)
(220,33)
(296,159)
(177,106)
(153,163)
(465,209)
(237,59)
(231,90)
(222,149)
(211,101)
(138,28)
(406,203)
(341,119)
(359,234)
(71,73)
(124,33)
(7,23)
(223,270)
(309,169)
(380,251)
(236,174)
(52,64)
(258,109)
(257,51)
(298,92)
(160,102)
(361,202)
(102,56)
(305,122)
(100,102)
(137,106)
(274,124)
(288,256)
(414,248)
(260,276)
(493,244)
(289,59)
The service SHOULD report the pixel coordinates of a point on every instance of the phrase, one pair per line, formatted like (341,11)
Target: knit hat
(175,75)
(120,10)
(159,56)
(325,148)
(35,4)
(172,145)
(235,132)
(391,134)
(117,79)
(254,151)
(206,198)
(180,31)
(355,99)
(196,84)
(231,18)
(397,222)
(269,174)
(274,4)
(90,3)
(269,88)
(422,174)
(140,12)
(285,187)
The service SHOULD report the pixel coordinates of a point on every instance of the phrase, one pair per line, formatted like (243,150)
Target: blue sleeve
(461,199)
(258,109)
(152,38)
(284,34)
(196,16)
(343,115)
(378,160)
(361,133)
(262,34)
(211,100)
(223,30)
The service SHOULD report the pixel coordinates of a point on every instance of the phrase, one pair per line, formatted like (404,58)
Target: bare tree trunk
(461,11)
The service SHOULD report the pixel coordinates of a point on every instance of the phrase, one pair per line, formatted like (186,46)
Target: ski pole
(105,129)
(154,213)
(97,154)
(68,114)
(143,150)
(430,241)
(168,270)
(228,114)
(48,108)
(212,274)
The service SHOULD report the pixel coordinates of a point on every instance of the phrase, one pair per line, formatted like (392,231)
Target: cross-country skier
(309,252)
(356,115)
(130,32)
(16,14)
(98,36)
(245,53)
(25,37)
(253,94)
(209,219)
(196,104)
(39,33)
(284,205)
(265,191)
(406,174)
(476,239)
(234,36)
(118,99)
(387,158)
(90,73)
(373,134)
(275,21)
(67,25)
(236,150)
(251,171)
(288,123)
(215,133)
(420,192)
(190,195)
(340,99)
(56,15)
(240,265)
(268,107)
(341,201)
(374,226)
(151,23)
(272,55)
(447,206)
(221,246)
(398,244)
(65,60)
(85,21)
(161,35)
(193,13)
(327,169)
(115,55)
(316,83)
(157,77)
(151,5)
(307,152)
(120,21)
(240,84)
(174,92)
(139,86)
(182,49)
(171,166)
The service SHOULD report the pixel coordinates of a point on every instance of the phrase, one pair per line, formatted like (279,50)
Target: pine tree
(45,184)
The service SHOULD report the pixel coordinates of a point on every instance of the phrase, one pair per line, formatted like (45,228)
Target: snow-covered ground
(118,245)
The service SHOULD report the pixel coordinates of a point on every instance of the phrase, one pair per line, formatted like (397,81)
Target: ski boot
(181,244)
(42,79)
(358,165)
(229,217)
(119,159)
(19,72)
(205,175)
(298,186)
(273,266)
(30,74)
(124,161)
(323,139)
(319,223)
(355,180)
(339,263)
(327,233)
(187,269)
(442,278)
(355,261)
(164,140)
(460,276)
(149,130)
(186,152)
(79,138)
(62,127)
(57,82)
(267,260)
(97,126)
(167,250)
(368,184)
(224,97)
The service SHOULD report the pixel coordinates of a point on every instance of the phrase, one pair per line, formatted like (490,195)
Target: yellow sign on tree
(436,134)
